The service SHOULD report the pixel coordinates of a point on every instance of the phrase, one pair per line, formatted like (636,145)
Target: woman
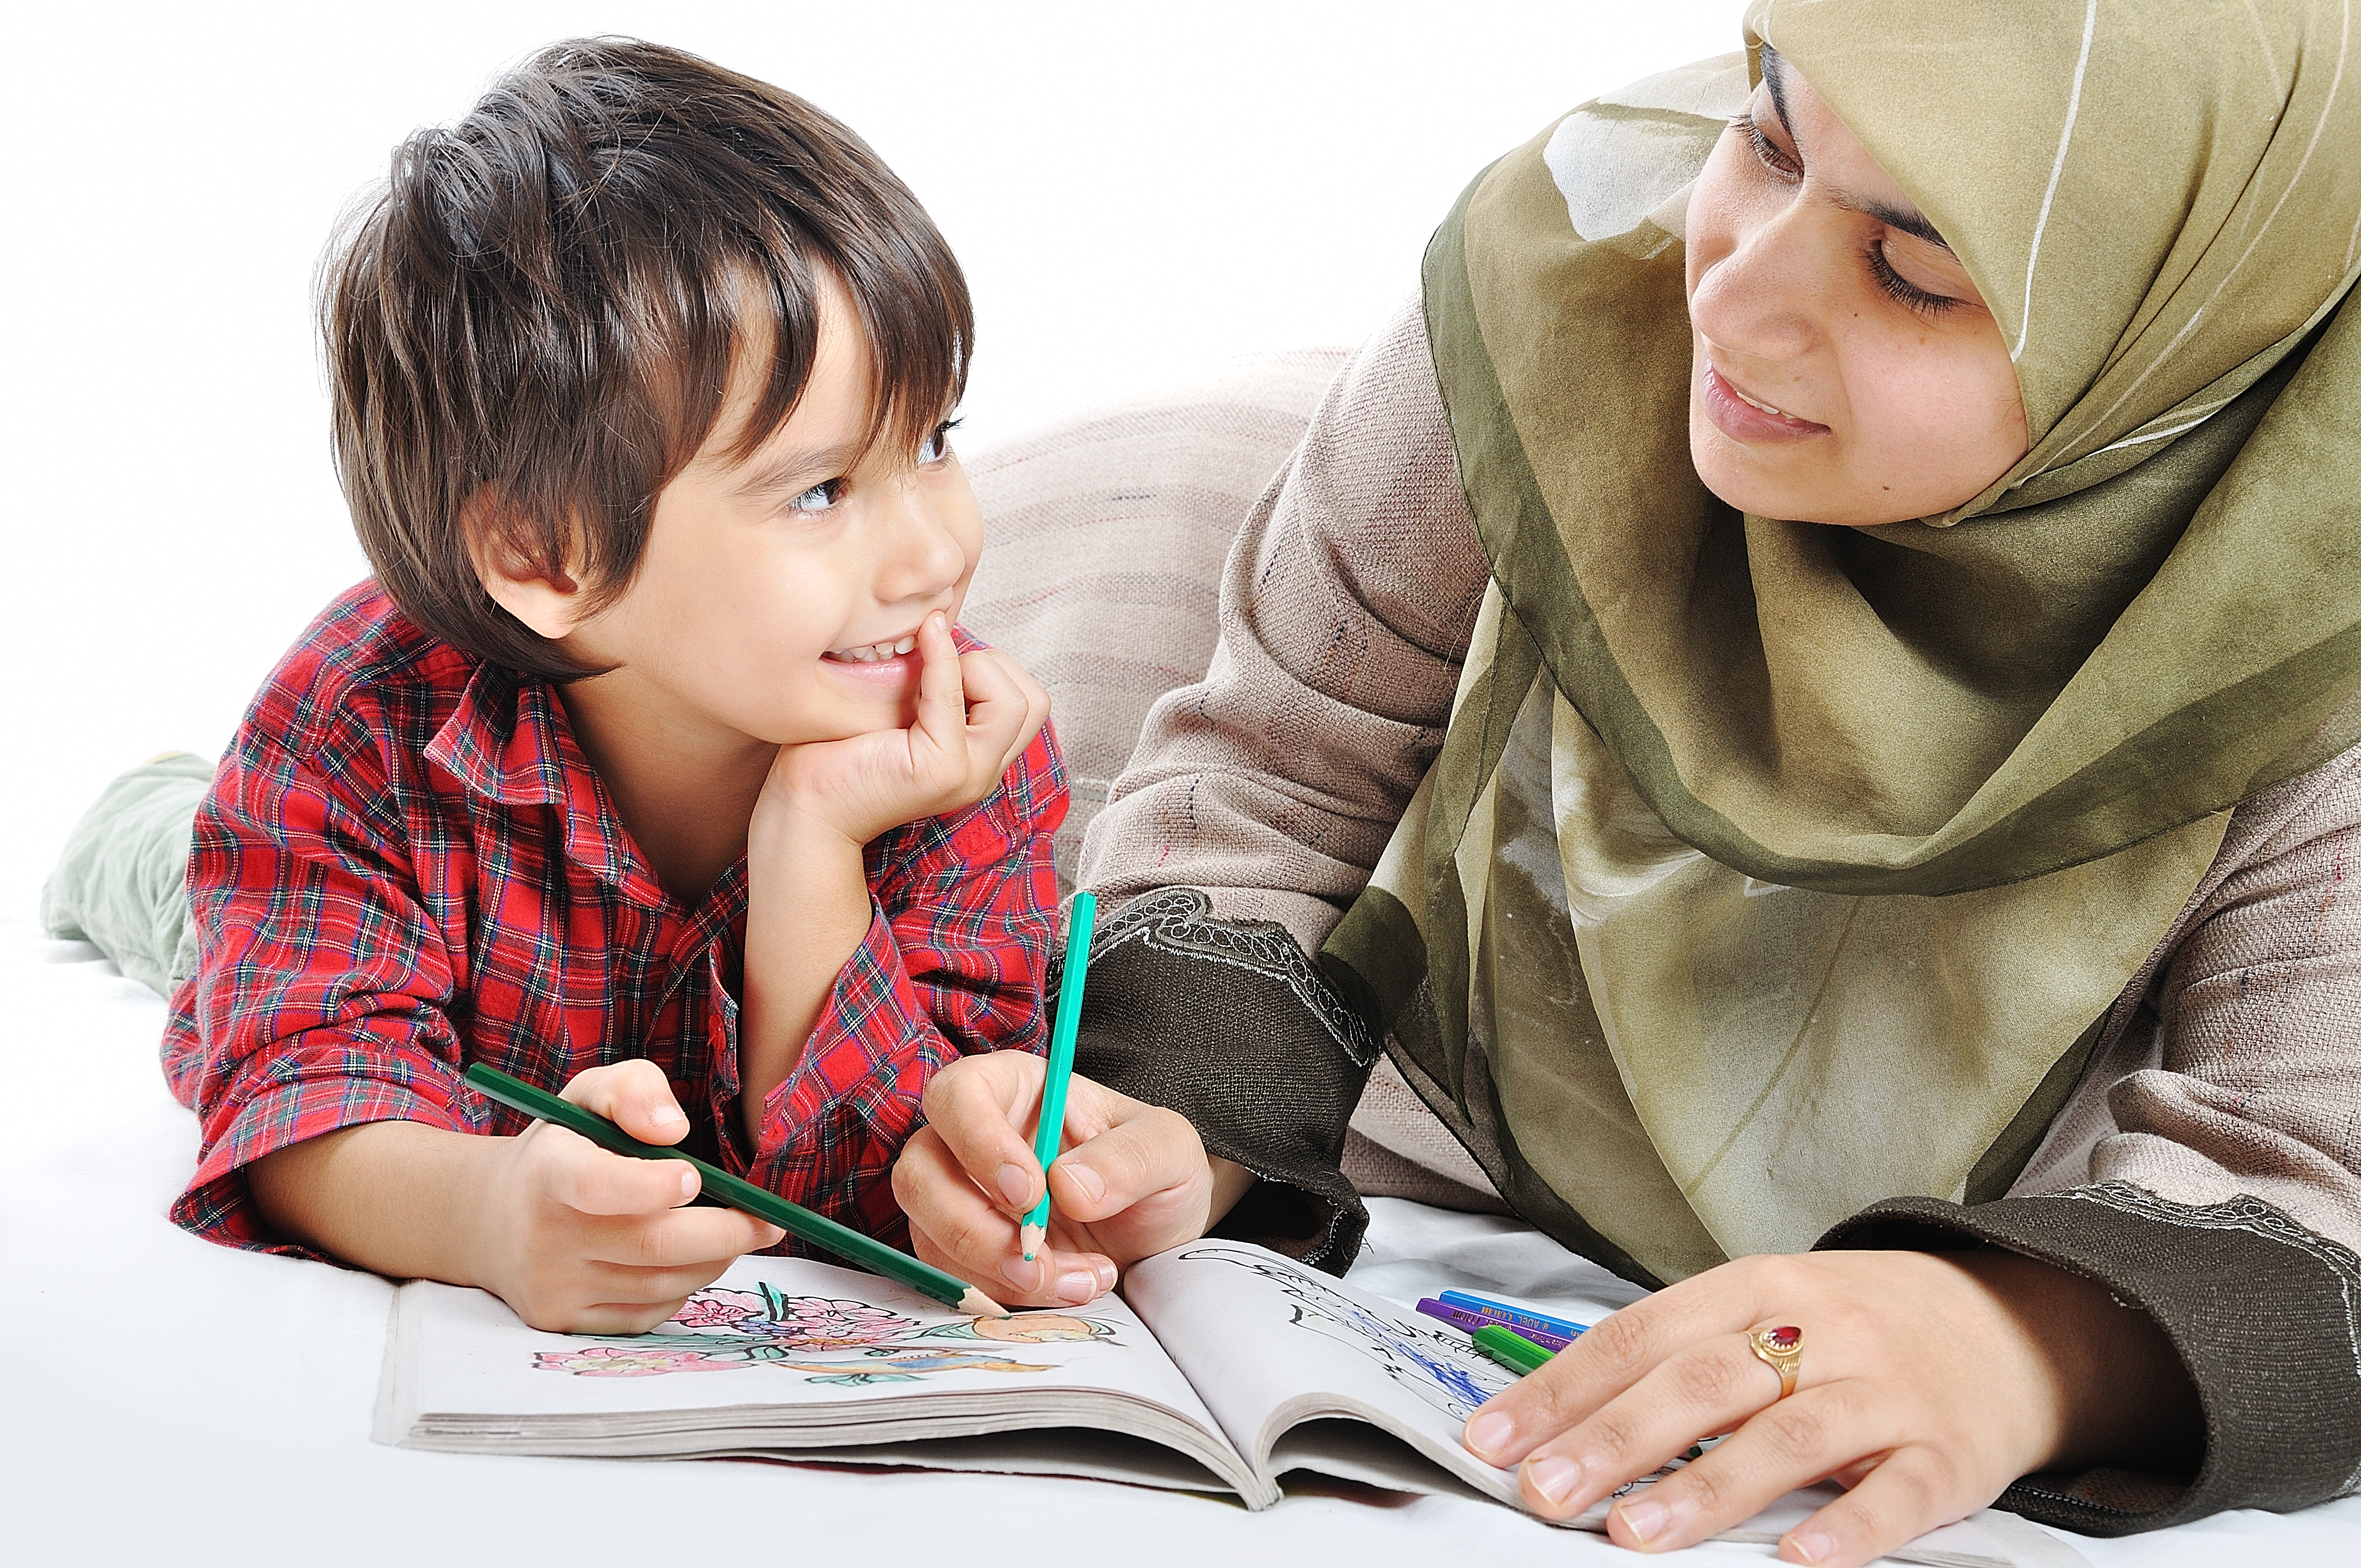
(1819,671)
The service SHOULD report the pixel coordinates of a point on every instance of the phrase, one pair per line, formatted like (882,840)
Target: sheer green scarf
(1771,869)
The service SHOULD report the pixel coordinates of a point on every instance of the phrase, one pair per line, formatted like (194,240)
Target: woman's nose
(1763,298)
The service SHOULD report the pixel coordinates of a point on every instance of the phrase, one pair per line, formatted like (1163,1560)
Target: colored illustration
(827,1341)
(1449,1377)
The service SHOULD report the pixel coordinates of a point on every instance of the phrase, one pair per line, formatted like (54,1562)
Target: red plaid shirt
(406,865)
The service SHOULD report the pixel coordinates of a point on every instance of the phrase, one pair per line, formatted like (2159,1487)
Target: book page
(779,1353)
(1271,1342)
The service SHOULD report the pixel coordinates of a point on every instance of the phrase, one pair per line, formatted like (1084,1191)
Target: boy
(650,764)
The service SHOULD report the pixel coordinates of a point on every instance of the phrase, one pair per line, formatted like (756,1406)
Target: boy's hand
(580,1241)
(976,714)
(1135,1182)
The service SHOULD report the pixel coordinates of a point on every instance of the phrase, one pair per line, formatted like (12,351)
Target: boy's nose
(922,556)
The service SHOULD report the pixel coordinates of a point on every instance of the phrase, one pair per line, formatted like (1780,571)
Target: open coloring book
(1221,1369)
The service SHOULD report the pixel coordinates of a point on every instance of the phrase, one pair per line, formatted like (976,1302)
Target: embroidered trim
(1178,920)
(2245,1212)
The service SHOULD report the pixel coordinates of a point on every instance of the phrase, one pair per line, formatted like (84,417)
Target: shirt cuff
(1229,1024)
(302,1093)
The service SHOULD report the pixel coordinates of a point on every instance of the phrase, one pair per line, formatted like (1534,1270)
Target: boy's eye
(819,497)
(938,445)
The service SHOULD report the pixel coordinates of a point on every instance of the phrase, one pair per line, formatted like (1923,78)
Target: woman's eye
(1766,151)
(938,445)
(1925,302)
(819,497)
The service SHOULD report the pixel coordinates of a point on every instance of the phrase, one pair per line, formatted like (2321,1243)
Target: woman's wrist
(2123,1397)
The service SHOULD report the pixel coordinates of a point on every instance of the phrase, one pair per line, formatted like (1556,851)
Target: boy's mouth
(871,653)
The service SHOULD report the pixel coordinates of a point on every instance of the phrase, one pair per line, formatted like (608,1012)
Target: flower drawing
(815,1322)
(718,1308)
(622,1361)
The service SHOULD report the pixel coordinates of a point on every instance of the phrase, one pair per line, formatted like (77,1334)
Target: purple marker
(1470,1319)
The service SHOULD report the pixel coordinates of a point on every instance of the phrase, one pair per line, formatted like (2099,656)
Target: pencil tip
(976,1304)
(1031,1237)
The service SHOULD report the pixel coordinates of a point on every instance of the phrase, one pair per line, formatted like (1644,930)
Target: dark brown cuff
(1229,1024)
(2265,1315)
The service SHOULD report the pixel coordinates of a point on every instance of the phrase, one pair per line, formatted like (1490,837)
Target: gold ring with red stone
(1781,1350)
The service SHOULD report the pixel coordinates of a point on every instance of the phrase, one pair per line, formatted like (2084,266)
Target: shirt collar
(508,744)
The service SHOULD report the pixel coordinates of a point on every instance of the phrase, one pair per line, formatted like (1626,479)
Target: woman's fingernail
(1015,1183)
(1023,1275)
(1078,1285)
(1105,1272)
(1813,1546)
(1084,1177)
(1488,1433)
(1553,1479)
(1643,1517)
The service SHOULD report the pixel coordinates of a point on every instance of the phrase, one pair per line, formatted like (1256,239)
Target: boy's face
(777,597)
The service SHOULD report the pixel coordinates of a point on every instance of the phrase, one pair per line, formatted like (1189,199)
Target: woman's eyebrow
(1909,219)
(1774,77)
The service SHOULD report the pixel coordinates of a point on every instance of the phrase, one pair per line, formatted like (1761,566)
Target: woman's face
(1846,369)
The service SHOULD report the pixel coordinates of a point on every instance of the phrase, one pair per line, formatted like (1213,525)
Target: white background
(1134,192)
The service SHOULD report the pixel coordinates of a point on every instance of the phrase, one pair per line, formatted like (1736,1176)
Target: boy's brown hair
(542,305)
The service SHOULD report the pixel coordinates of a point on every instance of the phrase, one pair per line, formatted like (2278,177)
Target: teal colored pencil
(1051,1130)
(738,1193)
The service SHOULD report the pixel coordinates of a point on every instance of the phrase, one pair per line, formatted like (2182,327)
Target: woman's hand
(1134,1180)
(1928,1383)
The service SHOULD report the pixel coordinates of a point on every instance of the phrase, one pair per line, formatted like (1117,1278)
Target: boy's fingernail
(1015,1183)
(1487,1433)
(1104,1271)
(665,1115)
(1643,1517)
(1078,1285)
(1023,1275)
(1082,1176)
(1813,1546)
(1553,1479)
(689,1181)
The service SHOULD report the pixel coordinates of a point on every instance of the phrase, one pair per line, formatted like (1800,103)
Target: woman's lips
(1742,420)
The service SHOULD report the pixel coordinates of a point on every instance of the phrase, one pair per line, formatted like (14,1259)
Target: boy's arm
(327,1073)
(570,1236)
(855,995)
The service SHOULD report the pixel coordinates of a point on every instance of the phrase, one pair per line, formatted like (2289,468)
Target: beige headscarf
(1770,869)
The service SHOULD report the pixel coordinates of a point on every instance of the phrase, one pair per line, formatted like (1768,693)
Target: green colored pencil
(724,1188)
(1050,1130)
(1509,1348)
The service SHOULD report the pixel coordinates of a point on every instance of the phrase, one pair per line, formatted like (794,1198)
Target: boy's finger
(942,692)
(679,1239)
(589,1181)
(635,1096)
(975,1112)
(1154,1154)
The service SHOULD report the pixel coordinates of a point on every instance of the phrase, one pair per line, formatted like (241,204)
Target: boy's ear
(551,602)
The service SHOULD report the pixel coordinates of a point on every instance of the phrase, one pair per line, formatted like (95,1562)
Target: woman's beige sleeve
(1346,605)
(1259,799)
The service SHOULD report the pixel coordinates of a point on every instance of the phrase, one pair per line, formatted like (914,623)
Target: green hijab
(1770,869)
